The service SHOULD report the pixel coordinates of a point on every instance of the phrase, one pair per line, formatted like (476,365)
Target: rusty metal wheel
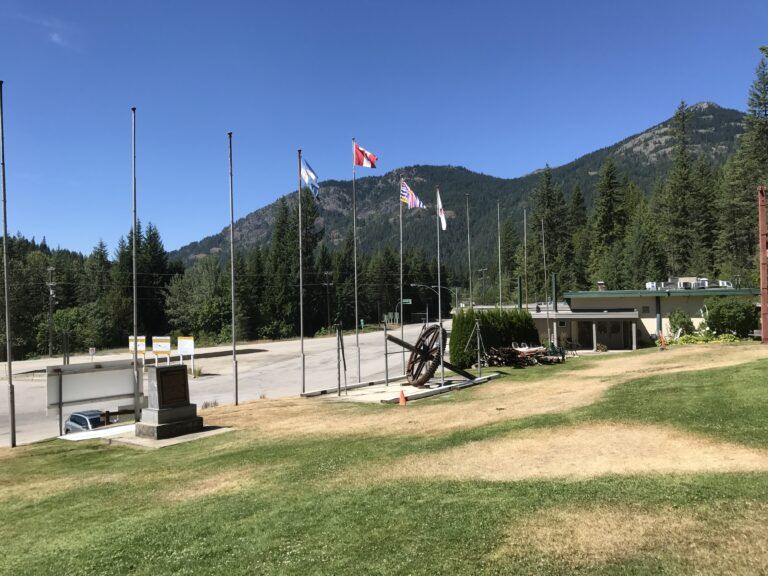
(423,364)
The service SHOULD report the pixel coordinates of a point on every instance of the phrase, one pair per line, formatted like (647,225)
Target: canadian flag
(361,157)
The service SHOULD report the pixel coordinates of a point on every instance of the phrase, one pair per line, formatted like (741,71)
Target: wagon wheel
(420,369)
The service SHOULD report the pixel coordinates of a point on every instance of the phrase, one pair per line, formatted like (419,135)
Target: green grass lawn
(92,508)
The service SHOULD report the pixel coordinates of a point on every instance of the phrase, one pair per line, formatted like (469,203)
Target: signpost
(161,346)
(407,301)
(186,345)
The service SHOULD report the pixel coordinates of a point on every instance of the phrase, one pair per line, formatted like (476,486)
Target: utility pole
(51,295)
(136,378)
(232,270)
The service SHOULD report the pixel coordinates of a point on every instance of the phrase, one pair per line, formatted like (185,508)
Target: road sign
(161,345)
(142,344)
(407,301)
(186,345)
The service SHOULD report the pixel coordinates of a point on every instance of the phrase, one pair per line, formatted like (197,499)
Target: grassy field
(665,473)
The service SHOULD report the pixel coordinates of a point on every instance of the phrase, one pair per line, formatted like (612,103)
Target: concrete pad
(103,432)
(383,394)
(130,439)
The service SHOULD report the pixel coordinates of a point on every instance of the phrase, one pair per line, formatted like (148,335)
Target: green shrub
(497,328)
(679,320)
(731,315)
(726,338)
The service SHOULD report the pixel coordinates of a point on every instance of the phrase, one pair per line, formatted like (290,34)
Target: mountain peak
(702,106)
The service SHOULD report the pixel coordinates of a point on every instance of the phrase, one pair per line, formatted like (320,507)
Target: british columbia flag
(408,196)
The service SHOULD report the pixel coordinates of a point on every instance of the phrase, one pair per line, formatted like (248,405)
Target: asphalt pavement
(265,370)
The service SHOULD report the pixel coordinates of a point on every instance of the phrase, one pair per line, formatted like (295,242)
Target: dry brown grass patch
(712,541)
(35,488)
(578,452)
(223,482)
(492,402)
(585,537)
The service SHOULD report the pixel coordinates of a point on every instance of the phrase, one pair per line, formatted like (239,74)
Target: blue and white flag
(310,177)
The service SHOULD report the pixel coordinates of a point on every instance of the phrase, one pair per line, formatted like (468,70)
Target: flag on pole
(408,196)
(361,157)
(310,177)
(440,211)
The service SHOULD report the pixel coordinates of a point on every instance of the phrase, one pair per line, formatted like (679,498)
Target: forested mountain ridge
(643,159)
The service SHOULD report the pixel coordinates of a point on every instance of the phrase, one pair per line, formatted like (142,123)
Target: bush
(679,320)
(497,328)
(731,315)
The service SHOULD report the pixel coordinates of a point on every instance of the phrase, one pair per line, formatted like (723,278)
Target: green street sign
(407,301)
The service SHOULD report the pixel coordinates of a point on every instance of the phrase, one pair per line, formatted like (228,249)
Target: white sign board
(97,382)
(142,344)
(161,345)
(186,345)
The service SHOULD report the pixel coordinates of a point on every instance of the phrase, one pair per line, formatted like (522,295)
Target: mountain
(643,158)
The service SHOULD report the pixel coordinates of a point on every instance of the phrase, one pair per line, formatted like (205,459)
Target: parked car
(85,420)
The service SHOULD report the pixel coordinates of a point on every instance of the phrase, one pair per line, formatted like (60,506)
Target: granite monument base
(170,413)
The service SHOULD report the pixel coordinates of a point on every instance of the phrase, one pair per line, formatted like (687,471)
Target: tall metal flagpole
(301,287)
(498,233)
(525,254)
(469,254)
(402,314)
(232,268)
(438,205)
(136,378)
(546,299)
(354,255)
(9,357)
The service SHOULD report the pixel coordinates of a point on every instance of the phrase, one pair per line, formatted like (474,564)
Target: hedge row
(497,328)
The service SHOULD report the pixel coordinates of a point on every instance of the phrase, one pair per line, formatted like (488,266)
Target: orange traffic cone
(403,401)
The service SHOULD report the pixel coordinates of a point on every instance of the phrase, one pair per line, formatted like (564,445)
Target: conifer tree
(737,237)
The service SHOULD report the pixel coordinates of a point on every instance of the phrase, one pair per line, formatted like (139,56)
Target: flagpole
(136,407)
(9,357)
(469,255)
(525,254)
(301,288)
(498,234)
(354,255)
(402,315)
(546,300)
(232,267)
(439,289)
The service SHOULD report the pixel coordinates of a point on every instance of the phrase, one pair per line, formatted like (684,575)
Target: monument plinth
(169,412)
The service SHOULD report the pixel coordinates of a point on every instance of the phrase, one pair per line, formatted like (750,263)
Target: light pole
(452,291)
(327,285)
(482,272)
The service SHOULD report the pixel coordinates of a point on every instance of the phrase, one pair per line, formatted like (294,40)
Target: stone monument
(169,413)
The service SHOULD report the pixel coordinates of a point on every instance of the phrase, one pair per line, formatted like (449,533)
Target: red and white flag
(440,211)
(361,157)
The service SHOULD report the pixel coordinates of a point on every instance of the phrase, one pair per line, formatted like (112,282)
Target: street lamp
(454,292)
(482,272)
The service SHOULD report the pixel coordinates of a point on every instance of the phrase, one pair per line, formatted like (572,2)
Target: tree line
(699,220)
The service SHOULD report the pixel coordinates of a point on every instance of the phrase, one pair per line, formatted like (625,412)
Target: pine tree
(737,237)
(679,199)
(607,228)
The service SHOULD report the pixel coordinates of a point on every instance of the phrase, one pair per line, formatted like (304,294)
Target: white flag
(310,177)
(440,211)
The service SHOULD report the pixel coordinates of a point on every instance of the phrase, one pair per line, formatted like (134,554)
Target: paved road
(265,369)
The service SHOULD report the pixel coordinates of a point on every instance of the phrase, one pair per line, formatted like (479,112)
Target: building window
(646,309)
(561,323)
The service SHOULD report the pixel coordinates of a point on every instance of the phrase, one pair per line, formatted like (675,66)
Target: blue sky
(499,87)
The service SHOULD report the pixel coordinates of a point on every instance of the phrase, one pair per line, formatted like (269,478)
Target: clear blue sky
(499,87)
